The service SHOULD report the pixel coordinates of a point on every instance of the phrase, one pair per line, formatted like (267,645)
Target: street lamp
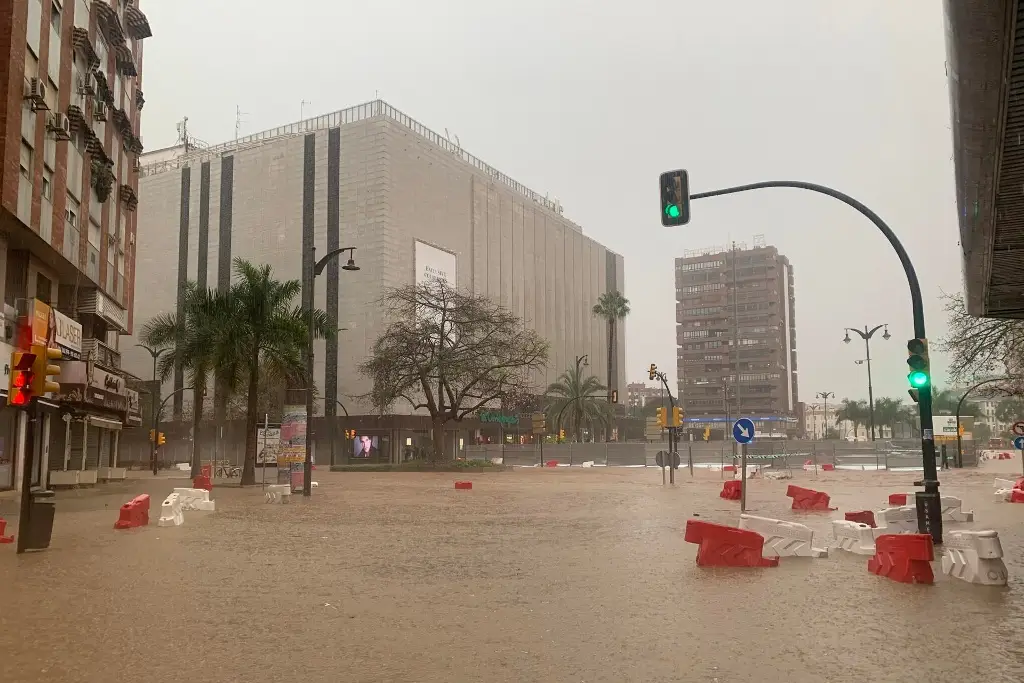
(155,353)
(316,269)
(826,395)
(866,336)
(581,360)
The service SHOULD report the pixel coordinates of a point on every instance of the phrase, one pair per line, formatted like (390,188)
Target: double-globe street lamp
(866,336)
(315,268)
(155,353)
(825,395)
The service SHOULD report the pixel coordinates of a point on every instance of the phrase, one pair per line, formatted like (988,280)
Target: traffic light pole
(929,509)
(25,509)
(673,438)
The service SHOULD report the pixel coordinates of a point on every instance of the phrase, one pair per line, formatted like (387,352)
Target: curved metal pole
(959,405)
(929,518)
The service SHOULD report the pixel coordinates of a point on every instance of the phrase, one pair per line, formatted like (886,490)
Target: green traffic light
(918,379)
(672,210)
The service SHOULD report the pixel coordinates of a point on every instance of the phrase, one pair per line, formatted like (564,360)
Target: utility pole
(238,120)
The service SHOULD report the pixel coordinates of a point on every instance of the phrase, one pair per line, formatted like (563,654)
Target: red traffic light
(21,380)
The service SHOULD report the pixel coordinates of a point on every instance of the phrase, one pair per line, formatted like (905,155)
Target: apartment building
(736,338)
(639,394)
(68,191)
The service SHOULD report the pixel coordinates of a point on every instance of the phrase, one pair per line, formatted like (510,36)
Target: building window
(55,16)
(44,288)
(47,185)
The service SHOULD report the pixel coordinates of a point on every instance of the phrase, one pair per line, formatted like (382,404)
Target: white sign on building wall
(432,263)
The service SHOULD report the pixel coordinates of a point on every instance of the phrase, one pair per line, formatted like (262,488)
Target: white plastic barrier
(195,499)
(1005,483)
(278,493)
(783,539)
(854,537)
(778,474)
(589,463)
(952,510)
(975,557)
(901,520)
(1003,495)
(170,512)
(752,471)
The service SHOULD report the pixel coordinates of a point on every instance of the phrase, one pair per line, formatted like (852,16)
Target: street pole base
(929,513)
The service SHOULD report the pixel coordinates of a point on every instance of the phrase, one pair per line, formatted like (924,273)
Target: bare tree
(981,347)
(451,353)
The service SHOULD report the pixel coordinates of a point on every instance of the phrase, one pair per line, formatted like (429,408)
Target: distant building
(736,338)
(638,394)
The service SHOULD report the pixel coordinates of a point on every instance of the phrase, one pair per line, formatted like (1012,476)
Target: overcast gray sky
(590,101)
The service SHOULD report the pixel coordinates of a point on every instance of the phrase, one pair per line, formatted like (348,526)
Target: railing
(361,112)
(97,351)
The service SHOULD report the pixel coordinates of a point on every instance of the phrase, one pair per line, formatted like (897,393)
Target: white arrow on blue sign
(1018,443)
(743,430)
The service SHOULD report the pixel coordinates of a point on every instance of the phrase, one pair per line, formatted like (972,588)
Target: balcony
(96,351)
(136,22)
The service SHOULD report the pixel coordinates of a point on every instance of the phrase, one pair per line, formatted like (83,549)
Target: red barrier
(1017,496)
(729,468)
(732,490)
(134,513)
(897,499)
(726,546)
(463,485)
(861,517)
(808,499)
(206,471)
(202,482)
(1005,456)
(1019,484)
(828,467)
(551,463)
(903,557)
(3,528)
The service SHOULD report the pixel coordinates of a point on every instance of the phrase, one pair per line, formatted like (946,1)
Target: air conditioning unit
(61,126)
(99,110)
(87,85)
(35,92)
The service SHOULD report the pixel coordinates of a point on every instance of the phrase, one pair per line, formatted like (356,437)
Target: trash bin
(40,520)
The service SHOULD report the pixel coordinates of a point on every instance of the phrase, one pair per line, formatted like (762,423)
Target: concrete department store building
(69,148)
(411,201)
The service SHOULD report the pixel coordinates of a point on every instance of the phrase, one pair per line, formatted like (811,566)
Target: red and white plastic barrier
(899,520)
(808,499)
(731,490)
(905,558)
(170,512)
(3,529)
(974,557)
(752,471)
(726,546)
(195,499)
(134,513)
(1003,495)
(854,537)
(783,539)
(1005,483)
(952,510)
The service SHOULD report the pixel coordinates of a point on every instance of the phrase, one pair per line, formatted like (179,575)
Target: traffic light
(152,435)
(675,198)
(917,359)
(677,416)
(653,371)
(19,384)
(707,433)
(539,423)
(42,371)
(561,435)
(161,439)
(615,395)
(661,418)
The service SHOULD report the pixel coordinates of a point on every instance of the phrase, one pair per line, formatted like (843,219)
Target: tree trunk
(437,437)
(251,416)
(611,354)
(197,418)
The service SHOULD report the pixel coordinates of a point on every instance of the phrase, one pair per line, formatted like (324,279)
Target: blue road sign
(743,430)
(1018,443)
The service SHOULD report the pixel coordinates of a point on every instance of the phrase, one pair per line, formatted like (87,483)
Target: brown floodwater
(563,575)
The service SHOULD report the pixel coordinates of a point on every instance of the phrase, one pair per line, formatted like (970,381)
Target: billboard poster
(432,263)
(268,446)
(292,440)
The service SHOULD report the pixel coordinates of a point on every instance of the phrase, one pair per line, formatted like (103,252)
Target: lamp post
(866,336)
(155,353)
(316,267)
(825,395)
(333,428)
(959,437)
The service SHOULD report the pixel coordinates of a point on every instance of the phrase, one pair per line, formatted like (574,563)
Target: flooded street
(557,575)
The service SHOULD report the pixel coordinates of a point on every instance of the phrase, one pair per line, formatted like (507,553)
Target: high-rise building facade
(69,147)
(736,338)
(410,200)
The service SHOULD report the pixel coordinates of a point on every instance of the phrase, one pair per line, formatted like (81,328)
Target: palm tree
(262,335)
(613,307)
(944,402)
(853,411)
(577,399)
(189,344)
(889,412)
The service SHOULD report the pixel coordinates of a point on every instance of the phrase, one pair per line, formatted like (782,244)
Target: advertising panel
(268,446)
(292,453)
(67,335)
(432,263)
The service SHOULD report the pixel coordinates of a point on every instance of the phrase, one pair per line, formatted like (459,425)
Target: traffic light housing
(917,361)
(42,370)
(707,433)
(22,377)
(675,198)
(561,435)
(661,418)
(653,371)
(152,435)
(161,439)
(677,416)
(615,395)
